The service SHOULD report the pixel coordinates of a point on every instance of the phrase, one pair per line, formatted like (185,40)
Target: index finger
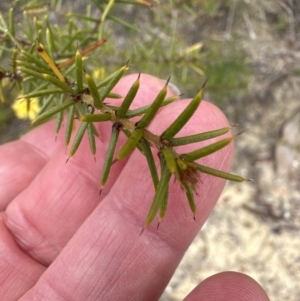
(107,258)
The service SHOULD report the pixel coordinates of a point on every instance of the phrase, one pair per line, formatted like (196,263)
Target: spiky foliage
(64,86)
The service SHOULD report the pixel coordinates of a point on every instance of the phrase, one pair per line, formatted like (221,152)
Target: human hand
(60,240)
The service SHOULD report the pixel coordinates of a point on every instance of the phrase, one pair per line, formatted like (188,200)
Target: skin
(60,240)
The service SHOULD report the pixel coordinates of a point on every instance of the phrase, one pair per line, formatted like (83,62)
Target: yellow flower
(99,73)
(26,108)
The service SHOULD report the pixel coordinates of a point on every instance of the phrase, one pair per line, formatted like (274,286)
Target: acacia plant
(51,64)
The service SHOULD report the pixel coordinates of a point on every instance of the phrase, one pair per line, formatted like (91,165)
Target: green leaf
(122,110)
(56,82)
(190,197)
(70,124)
(114,95)
(28,71)
(50,41)
(39,93)
(14,60)
(59,117)
(78,138)
(49,113)
(181,164)
(146,149)
(114,80)
(110,153)
(154,107)
(207,150)
(79,69)
(218,173)
(130,144)
(94,91)
(163,207)
(198,137)
(96,117)
(12,21)
(107,79)
(30,66)
(2,97)
(160,194)
(143,110)
(124,23)
(91,137)
(171,162)
(30,58)
(184,117)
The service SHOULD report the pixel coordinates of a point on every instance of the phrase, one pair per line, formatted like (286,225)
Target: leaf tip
(168,80)
(158,223)
(204,84)
(143,229)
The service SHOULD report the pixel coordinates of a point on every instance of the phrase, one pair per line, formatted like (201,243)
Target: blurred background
(249,50)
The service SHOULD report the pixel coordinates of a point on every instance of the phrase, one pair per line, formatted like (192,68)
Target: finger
(18,272)
(107,258)
(22,160)
(46,215)
(231,286)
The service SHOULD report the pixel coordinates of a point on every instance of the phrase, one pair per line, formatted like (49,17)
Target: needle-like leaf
(91,136)
(28,71)
(184,117)
(12,21)
(163,207)
(143,110)
(207,150)
(79,69)
(94,91)
(198,137)
(150,160)
(171,162)
(154,107)
(110,85)
(110,153)
(95,117)
(160,194)
(44,92)
(130,144)
(59,117)
(70,125)
(78,138)
(218,173)
(122,110)
(190,197)
(49,113)
(58,83)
